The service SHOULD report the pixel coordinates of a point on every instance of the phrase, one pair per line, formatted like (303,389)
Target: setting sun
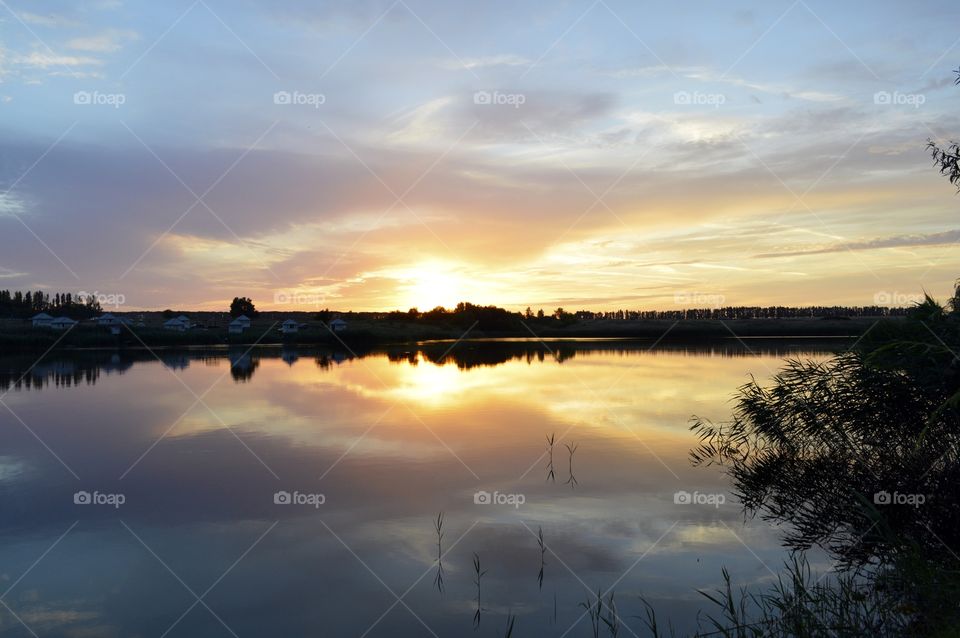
(431,284)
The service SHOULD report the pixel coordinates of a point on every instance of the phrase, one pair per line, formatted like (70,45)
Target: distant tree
(242,306)
(324,315)
(528,314)
(92,306)
(540,314)
(168,314)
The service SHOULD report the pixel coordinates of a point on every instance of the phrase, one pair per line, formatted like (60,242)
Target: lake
(286,492)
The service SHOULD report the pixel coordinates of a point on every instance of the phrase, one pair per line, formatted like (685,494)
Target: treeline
(26,304)
(493,317)
(463,315)
(730,312)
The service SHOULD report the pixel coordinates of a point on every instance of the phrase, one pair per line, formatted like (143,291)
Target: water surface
(198,444)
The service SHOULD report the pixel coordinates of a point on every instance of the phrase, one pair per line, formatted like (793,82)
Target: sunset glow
(383,156)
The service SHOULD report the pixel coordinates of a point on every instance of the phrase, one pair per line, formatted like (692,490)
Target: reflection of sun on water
(430,383)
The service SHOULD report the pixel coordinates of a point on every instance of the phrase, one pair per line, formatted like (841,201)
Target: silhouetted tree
(947,158)
(242,306)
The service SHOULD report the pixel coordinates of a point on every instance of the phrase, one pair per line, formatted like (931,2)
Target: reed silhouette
(551,477)
(477,576)
(543,551)
(438,526)
(571,479)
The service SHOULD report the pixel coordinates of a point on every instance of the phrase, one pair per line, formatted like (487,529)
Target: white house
(176,324)
(185,320)
(289,327)
(62,323)
(338,325)
(108,320)
(237,326)
(42,320)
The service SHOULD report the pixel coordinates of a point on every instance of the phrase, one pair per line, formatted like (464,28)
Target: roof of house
(338,320)
(239,321)
(290,322)
(242,318)
(64,320)
(42,315)
(106,316)
(174,322)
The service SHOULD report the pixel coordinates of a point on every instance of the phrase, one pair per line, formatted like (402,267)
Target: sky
(388,154)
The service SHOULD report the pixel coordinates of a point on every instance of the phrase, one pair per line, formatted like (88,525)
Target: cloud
(505,59)
(708,75)
(49,21)
(105,42)
(40,60)
(896,241)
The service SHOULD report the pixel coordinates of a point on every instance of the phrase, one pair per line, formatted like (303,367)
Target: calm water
(198,446)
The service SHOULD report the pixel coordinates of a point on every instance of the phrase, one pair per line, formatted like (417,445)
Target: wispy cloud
(48,21)
(504,59)
(896,241)
(41,60)
(105,42)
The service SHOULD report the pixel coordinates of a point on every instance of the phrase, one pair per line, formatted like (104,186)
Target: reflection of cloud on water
(199,498)
(11,468)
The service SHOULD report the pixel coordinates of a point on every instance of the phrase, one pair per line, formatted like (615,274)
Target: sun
(431,284)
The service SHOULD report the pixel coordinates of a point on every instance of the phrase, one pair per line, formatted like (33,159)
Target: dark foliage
(860,454)
(26,304)
(242,306)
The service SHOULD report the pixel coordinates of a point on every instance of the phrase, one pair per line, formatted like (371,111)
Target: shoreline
(364,334)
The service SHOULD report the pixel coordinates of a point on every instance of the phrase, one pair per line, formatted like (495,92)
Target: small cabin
(289,327)
(108,320)
(338,325)
(176,324)
(238,325)
(41,320)
(62,323)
